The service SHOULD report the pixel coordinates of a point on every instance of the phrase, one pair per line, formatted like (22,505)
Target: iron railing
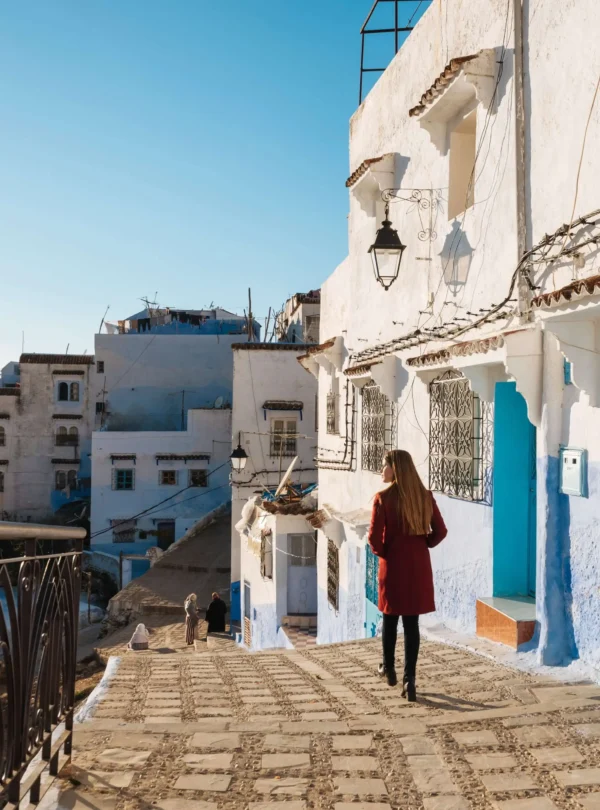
(39,619)
(332,409)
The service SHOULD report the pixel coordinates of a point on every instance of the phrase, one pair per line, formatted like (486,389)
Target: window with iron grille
(100,366)
(460,439)
(198,478)
(371,581)
(284,440)
(333,574)
(332,413)
(168,478)
(266,554)
(378,427)
(124,531)
(123,479)
(303,550)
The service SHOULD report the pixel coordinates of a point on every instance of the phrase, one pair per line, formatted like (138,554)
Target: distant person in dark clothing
(215,615)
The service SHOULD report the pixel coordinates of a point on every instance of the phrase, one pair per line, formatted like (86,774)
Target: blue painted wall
(514,494)
(372,618)
(236,604)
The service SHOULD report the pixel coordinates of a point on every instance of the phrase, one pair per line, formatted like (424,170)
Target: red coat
(405,575)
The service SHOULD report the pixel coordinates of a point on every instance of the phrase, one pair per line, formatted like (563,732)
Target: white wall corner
(578,343)
(336,354)
(377,178)
(310,364)
(524,364)
(391,376)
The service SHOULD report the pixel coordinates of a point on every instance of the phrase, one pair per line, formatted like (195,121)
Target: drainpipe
(524,293)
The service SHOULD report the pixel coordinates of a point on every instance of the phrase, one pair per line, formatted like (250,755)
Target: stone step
(299,620)
(508,620)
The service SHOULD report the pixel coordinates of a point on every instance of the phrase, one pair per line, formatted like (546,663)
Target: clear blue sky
(188,147)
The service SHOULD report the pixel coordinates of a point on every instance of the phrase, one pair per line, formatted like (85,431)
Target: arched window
(61,436)
(63,392)
(74,397)
(1,482)
(73,431)
(72,479)
(61,479)
(2,436)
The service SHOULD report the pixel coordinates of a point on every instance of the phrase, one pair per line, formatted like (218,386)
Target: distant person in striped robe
(191,618)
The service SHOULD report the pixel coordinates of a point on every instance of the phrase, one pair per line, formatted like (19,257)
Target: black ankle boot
(381,669)
(409,690)
(391,676)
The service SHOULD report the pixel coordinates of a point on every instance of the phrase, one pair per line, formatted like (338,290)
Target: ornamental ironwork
(460,439)
(39,617)
(378,427)
(332,415)
(372,578)
(333,574)
(284,437)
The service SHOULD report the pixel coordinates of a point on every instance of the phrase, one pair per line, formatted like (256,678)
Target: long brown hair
(413,500)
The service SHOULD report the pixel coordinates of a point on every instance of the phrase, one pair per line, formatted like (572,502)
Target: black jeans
(412,641)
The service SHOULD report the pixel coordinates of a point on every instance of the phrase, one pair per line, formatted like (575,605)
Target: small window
(100,407)
(2,436)
(303,550)
(72,479)
(60,480)
(198,478)
(266,554)
(74,392)
(1,481)
(124,531)
(123,479)
(100,366)
(63,392)
(284,434)
(168,478)
(463,149)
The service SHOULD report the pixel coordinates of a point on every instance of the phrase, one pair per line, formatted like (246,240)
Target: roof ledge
(513,356)
(464,81)
(371,179)
(579,342)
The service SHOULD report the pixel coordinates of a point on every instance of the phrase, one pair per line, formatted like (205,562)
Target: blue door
(514,495)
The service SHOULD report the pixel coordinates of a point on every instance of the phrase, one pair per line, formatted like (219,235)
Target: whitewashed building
(461,360)
(155,485)
(45,438)
(299,320)
(273,421)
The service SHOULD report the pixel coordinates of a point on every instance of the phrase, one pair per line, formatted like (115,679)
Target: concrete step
(299,620)
(508,620)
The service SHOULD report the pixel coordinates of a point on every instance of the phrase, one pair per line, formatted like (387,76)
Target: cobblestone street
(290,730)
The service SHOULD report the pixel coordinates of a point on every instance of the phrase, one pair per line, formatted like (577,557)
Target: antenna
(397,29)
(250,322)
(103,318)
(286,477)
(67,349)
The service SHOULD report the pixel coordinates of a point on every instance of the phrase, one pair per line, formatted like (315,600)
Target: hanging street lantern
(386,253)
(239,457)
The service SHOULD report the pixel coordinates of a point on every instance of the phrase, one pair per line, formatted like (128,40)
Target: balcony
(66,440)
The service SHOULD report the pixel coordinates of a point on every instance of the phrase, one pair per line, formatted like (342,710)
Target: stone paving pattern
(317,728)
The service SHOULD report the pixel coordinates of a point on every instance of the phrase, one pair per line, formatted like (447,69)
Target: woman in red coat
(405,524)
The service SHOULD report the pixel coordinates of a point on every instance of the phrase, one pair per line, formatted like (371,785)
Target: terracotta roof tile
(360,368)
(450,72)
(362,169)
(272,347)
(58,359)
(573,291)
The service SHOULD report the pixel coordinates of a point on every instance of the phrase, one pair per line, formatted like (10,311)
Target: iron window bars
(460,439)
(332,415)
(284,437)
(333,574)
(378,426)
(266,554)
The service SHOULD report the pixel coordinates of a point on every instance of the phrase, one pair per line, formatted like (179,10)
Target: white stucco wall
(149,378)
(209,433)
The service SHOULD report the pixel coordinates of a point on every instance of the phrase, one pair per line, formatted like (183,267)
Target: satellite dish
(286,477)
(219,402)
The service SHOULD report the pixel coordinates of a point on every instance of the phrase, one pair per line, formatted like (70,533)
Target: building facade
(155,485)
(45,438)
(274,422)
(479,357)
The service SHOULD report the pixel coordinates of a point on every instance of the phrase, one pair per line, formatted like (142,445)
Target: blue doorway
(514,555)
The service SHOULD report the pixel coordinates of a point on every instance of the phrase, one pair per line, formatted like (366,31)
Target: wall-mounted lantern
(239,457)
(386,253)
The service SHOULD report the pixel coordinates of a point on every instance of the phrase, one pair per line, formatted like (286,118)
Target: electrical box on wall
(573,471)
